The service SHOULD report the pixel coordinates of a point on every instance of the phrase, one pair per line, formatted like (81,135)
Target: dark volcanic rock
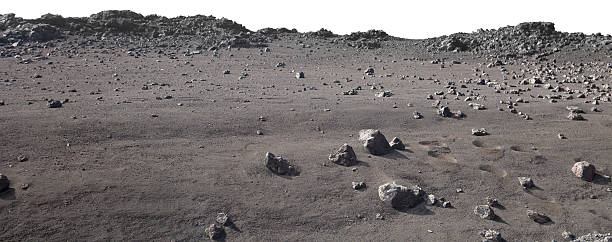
(344,156)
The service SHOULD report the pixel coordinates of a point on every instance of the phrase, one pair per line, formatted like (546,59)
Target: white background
(408,19)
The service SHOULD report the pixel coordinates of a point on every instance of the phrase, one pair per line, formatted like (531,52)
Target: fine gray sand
(150,144)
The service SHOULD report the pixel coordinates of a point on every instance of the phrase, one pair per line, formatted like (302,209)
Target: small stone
(431,200)
(379,216)
(446,204)
(459,190)
(492,201)
(358,185)
(54,104)
(445,112)
(215,231)
(484,211)
(299,75)
(384,94)
(226,72)
(259,132)
(479,132)
(566,235)
(538,217)
(491,236)
(223,219)
(345,156)
(526,182)
(417,115)
(575,116)
(561,136)
(25,186)
(397,144)
(22,158)
(584,170)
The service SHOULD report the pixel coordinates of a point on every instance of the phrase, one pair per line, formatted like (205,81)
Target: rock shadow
(8,194)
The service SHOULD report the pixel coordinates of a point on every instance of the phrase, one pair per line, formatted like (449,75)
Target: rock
(417,115)
(538,217)
(492,202)
(575,116)
(215,231)
(54,104)
(375,142)
(4,183)
(479,132)
(223,219)
(400,197)
(584,170)
(344,156)
(22,158)
(445,112)
(226,72)
(431,200)
(384,94)
(446,204)
(358,185)
(491,236)
(379,216)
(484,211)
(567,235)
(369,71)
(595,237)
(299,75)
(397,144)
(561,136)
(280,166)
(526,182)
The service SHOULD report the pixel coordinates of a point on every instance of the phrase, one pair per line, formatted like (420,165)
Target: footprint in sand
(439,153)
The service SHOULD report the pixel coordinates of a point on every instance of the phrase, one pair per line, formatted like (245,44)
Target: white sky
(408,19)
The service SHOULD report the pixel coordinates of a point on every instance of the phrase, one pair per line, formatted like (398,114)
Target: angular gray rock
(484,211)
(280,166)
(358,185)
(375,142)
(445,112)
(223,219)
(526,182)
(215,231)
(575,116)
(54,104)
(299,75)
(400,197)
(491,236)
(397,144)
(344,156)
(584,170)
(479,132)
(538,217)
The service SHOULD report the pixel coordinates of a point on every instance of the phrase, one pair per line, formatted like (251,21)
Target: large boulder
(400,197)
(584,170)
(280,166)
(375,142)
(344,156)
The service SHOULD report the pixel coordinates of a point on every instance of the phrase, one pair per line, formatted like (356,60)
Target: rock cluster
(530,38)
